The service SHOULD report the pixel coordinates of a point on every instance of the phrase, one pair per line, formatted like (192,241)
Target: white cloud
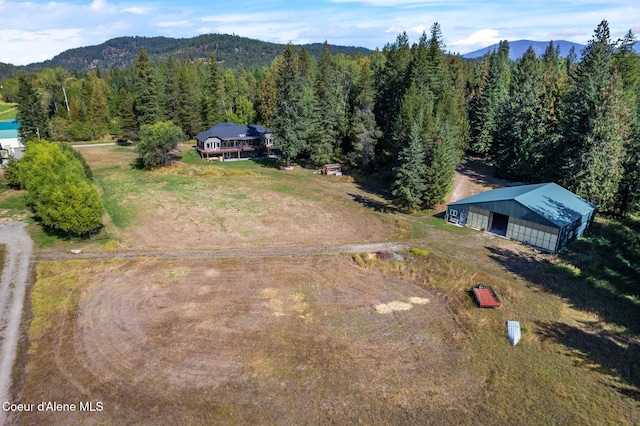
(136,10)
(24,47)
(466,25)
(170,24)
(478,39)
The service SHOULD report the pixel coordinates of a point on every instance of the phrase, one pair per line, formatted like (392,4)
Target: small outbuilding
(544,215)
(332,169)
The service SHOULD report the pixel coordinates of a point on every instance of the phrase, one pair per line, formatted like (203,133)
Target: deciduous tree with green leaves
(156,143)
(58,190)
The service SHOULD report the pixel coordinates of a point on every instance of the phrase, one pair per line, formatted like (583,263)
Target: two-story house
(231,141)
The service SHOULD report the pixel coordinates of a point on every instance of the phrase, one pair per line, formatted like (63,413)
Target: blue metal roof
(227,131)
(549,200)
(9,125)
(9,129)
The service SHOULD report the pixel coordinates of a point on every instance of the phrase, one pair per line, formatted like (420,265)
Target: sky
(34,31)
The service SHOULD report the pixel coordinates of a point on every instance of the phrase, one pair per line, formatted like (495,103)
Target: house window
(453,213)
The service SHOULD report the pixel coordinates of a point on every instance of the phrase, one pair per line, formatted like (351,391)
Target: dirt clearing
(254,342)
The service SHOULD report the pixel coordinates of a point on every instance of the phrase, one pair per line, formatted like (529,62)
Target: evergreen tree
(172,94)
(491,91)
(409,186)
(266,100)
(555,88)
(187,117)
(521,136)
(213,97)
(127,124)
(290,113)
(443,150)
(329,111)
(628,64)
(30,114)
(147,104)
(417,107)
(590,117)
(439,171)
(99,108)
(600,166)
(364,129)
(391,85)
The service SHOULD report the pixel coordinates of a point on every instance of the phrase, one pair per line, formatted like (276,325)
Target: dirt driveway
(12,290)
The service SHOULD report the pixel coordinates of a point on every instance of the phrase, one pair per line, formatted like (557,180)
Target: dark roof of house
(549,200)
(231,131)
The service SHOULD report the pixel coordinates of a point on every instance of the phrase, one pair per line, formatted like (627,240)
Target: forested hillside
(121,52)
(408,113)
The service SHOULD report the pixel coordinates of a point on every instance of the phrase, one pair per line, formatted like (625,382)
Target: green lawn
(7,111)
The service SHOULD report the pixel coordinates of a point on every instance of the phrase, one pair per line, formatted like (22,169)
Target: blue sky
(32,31)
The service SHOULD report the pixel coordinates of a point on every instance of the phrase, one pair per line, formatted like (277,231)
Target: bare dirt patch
(472,177)
(255,342)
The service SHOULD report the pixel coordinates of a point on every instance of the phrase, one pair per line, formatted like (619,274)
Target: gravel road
(12,291)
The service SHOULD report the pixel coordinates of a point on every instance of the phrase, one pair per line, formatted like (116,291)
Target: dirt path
(12,291)
(239,253)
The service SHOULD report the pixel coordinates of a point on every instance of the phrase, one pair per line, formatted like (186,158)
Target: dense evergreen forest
(408,113)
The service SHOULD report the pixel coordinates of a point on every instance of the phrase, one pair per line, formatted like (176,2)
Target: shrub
(11,173)
(419,252)
(156,142)
(58,189)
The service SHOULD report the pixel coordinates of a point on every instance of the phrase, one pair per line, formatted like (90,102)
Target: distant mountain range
(517,48)
(232,50)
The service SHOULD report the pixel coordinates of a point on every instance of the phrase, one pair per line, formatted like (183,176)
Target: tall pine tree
(30,113)
(520,139)
(289,116)
(213,97)
(595,132)
(409,186)
(147,104)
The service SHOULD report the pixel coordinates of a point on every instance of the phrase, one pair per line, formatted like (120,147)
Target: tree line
(408,113)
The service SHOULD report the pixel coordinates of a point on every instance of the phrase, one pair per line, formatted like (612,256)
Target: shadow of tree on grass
(601,350)
(598,274)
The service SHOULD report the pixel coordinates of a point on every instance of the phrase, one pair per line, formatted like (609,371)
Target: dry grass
(309,341)
(241,204)
(320,340)
(255,342)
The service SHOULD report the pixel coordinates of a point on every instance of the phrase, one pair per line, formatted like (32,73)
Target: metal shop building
(544,215)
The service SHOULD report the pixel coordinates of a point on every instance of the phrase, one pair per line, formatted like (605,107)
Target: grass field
(7,111)
(234,204)
(325,339)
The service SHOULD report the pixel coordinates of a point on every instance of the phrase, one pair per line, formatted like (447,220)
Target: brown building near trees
(228,141)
